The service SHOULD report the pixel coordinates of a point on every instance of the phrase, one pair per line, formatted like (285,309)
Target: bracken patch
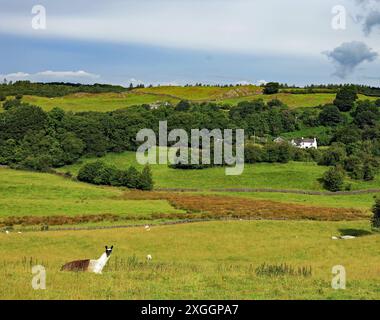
(215,206)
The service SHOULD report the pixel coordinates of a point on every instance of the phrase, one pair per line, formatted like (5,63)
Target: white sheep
(148,257)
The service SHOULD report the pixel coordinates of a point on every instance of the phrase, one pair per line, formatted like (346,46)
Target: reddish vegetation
(202,207)
(56,220)
(215,206)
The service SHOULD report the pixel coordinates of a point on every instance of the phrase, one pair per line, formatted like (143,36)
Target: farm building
(279,140)
(305,143)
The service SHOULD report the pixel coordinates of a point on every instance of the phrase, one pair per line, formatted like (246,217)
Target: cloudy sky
(186,41)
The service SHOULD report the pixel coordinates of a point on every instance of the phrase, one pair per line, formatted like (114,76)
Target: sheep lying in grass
(343,238)
(88,265)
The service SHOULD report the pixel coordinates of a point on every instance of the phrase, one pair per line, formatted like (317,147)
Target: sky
(190,41)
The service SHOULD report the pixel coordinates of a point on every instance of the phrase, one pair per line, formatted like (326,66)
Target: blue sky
(188,41)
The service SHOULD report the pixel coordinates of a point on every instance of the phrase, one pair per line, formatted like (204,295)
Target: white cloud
(242,26)
(243,82)
(15,75)
(261,82)
(135,82)
(67,74)
(50,75)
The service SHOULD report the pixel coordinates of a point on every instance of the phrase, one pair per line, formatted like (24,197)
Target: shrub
(8,104)
(101,174)
(375,221)
(89,171)
(333,179)
(37,163)
(369,172)
(146,181)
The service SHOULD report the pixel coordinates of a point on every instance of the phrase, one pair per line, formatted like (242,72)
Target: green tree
(271,88)
(345,98)
(183,105)
(333,179)
(72,146)
(375,221)
(369,172)
(333,155)
(330,116)
(7,105)
(146,180)
(90,171)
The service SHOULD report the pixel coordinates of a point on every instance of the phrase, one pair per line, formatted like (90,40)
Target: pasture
(104,102)
(294,100)
(292,175)
(24,193)
(101,102)
(215,260)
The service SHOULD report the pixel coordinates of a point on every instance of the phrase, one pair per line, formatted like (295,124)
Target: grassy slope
(195,261)
(25,193)
(96,102)
(293,175)
(172,94)
(294,100)
(204,93)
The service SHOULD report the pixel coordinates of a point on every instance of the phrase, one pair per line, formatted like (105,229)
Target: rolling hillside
(173,94)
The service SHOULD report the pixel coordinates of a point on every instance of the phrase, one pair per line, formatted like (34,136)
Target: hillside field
(103,102)
(199,260)
(292,175)
(24,193)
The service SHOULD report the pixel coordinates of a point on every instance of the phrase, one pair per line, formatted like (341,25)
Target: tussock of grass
(275,270)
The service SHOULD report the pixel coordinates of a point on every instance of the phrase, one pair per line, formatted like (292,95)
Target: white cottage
(305,143)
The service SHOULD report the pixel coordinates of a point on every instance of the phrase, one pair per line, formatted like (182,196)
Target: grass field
(359,201)
(25,193)
(196,261)
(96,102)
(217,260)
(197,93)
(173,94)
(294,100)
(293,175)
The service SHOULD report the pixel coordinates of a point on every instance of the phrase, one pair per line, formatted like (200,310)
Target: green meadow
(103,102)
(292,175)
(215,260)
(96,102)
(24,193)
(293,100)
